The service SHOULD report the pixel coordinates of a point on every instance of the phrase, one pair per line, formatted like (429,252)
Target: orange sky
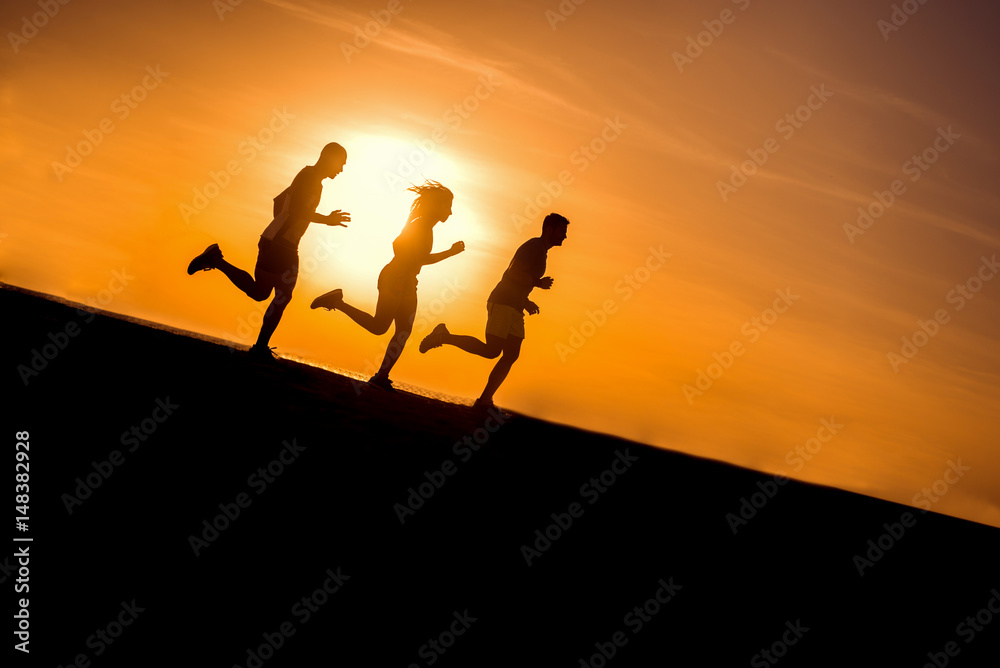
(499,101)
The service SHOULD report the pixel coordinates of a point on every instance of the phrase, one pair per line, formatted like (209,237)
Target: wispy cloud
(422,41)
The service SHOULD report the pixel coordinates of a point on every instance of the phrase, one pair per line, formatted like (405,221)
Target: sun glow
(373,189)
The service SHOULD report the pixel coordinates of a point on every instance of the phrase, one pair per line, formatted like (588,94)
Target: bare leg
(406,311)
(256,290)
(272,316)
(511,351)
(376,324)
(394,349)
(491,349)
(283,286)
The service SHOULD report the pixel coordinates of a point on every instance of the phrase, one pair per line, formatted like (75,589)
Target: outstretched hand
(457,247)
(531,306)
(545,282)
(338,217)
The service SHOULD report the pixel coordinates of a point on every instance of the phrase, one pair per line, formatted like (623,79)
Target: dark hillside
(141,439)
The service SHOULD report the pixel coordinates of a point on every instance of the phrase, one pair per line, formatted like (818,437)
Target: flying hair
(429,194)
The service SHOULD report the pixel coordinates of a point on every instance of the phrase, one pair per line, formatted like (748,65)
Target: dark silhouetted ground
(206,419)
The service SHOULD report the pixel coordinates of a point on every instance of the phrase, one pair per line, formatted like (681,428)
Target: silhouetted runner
(505,308)
(278,249)
(397,284)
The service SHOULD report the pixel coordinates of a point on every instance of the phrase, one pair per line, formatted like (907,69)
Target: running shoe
(330,300)
(381,383)
(434,339)
(206,260)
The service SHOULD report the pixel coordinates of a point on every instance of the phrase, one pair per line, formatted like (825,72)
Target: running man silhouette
(278,249)
(505,308)
(397,284)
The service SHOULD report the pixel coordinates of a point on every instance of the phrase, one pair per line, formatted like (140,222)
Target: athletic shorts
(396,281)
(504,321)
(398,287)
(275,258)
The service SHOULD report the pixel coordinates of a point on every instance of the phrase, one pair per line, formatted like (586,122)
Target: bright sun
(372,188)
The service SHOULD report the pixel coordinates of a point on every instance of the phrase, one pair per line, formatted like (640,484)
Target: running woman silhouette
(397,283)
